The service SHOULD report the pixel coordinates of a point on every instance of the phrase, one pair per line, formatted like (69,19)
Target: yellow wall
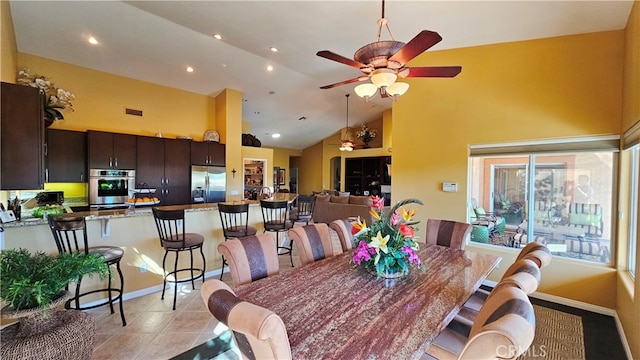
(228,119)
(9,50)
(281,159)
(310,174)
(101,100)
(628,290)
(549,88)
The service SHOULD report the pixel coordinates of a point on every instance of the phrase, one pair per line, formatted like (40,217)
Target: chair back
(588,217)
(304,209)
(524,274)
(259,333)
(250,258)
(313,242)
(343,228)
(69,233)
(537,252)
(235,220)
(275,215)
(171,227)
(448,233)
(504,327)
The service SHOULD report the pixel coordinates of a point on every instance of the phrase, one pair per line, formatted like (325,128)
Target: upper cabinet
(21,138)
(208,153)
(66,156)
(111,150)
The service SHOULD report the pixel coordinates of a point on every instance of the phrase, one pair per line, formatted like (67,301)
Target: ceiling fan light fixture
(366,90)
(346,145)
(398,89)
(383,77)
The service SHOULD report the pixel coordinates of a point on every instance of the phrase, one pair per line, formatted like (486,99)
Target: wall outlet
(143,268)
(234,192)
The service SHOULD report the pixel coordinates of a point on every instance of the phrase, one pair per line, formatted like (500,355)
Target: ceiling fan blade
(434,71)
(419,44)
(359,78)
(341,59)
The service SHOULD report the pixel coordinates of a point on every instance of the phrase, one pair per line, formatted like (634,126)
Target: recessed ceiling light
(275,136)
(273,49)
(217,36)
(189,69)
(92,40)
(269,68)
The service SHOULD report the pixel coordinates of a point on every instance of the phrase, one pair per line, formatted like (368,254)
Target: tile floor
(154,331)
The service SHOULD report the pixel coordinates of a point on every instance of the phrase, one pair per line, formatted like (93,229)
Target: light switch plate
(449,187)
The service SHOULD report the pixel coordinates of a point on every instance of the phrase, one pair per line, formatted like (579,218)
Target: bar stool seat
(235,224)
(70,235)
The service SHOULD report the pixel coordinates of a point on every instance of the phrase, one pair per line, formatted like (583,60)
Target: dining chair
(448,233)
(259,333)
(70,235)
(275,215)
(235,224)
(174,238)
(523,274)
(313,242)
(303,212)
(250,258)
(504,329)
(343,228)
(538,252)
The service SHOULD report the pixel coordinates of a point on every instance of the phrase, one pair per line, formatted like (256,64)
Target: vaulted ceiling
(155,41)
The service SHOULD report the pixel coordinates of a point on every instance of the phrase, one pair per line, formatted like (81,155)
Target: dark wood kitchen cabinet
(66,156)
(111,150)
(21,138)
(163,164)
(208,153)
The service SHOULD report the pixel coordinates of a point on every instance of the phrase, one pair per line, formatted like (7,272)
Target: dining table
(334,309)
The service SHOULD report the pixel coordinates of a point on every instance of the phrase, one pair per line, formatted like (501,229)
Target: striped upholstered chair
(259,333)
(343,228)
(313,242)
(503,329)
(448,233)
(250,258)
(537,252)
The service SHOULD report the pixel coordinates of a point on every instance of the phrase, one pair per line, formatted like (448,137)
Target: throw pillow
(340,199)
(360,200)
(324,198)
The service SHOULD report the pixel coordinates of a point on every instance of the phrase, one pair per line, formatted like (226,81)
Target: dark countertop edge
(121,213)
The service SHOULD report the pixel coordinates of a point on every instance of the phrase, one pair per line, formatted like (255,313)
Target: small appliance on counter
(50,198)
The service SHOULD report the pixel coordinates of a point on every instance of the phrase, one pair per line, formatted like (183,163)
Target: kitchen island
(134,230)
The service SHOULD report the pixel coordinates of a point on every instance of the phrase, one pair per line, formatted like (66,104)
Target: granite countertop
(144,211)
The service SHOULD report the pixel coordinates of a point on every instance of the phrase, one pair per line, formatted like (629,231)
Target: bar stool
(173,238)
(304,211)
(70,235)
(276,219)
(235,224)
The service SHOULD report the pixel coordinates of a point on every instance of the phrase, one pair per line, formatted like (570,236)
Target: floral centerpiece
(387,247)
(54,99)
(366,135)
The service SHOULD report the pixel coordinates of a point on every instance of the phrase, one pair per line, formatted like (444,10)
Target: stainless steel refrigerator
(208,184)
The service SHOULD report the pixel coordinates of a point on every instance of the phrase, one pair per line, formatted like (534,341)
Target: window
(633,208)
(560,194)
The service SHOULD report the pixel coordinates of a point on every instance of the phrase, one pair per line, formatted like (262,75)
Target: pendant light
(346,144)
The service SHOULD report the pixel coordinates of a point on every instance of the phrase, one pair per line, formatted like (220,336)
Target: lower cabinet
(164,165)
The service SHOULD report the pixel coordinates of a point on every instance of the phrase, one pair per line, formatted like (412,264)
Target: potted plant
(366,135)
(54,99)
(31,286)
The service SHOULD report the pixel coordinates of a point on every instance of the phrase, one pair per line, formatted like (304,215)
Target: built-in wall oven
(110,188)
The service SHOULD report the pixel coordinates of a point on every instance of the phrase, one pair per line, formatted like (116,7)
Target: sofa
(328,208)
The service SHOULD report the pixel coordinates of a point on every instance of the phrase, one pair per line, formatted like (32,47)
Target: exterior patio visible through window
(561,198)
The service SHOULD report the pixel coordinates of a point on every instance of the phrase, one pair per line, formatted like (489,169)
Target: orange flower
(406,231)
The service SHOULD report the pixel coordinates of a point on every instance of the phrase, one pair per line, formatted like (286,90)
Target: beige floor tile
(167,345)
(122,346)
(149,322)
(188,322)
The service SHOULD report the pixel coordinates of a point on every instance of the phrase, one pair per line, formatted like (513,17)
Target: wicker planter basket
(65,334)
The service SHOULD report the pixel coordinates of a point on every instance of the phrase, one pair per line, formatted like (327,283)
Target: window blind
(583,144)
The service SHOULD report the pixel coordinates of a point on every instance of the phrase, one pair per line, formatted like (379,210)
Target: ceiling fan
(384,61)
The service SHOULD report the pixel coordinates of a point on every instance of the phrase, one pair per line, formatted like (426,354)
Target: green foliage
(31,280)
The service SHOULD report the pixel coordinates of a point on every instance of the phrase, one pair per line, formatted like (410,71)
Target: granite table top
(335,310)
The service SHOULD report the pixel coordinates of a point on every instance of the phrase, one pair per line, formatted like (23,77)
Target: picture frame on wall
(281,176)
